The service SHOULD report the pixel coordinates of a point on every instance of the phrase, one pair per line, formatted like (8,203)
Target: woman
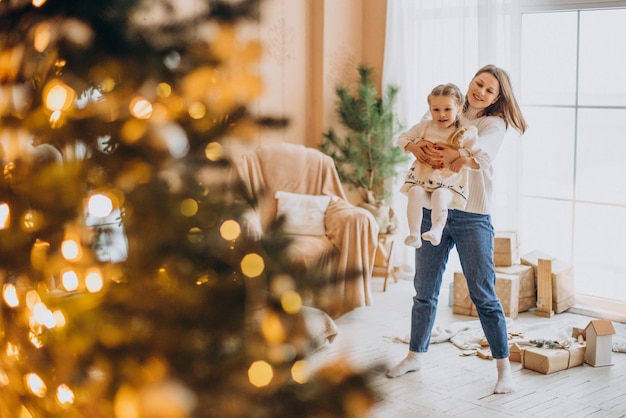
(490,105)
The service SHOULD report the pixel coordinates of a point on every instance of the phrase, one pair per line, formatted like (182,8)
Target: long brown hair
(506,106)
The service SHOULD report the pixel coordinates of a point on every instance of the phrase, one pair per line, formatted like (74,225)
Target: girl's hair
(451,90)
(506,106)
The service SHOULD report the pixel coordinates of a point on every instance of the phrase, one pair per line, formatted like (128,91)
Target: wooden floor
(452,385)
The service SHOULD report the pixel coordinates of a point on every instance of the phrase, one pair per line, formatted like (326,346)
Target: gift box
(505,248)
(550,360)
(562,279)
(507,289)
(515,352)
(527,284)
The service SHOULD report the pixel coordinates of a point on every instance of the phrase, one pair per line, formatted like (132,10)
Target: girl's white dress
(431,179)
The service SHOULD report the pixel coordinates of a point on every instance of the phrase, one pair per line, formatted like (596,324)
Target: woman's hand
(448,154)
(426,153)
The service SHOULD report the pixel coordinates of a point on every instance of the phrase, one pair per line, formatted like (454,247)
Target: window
(573,94)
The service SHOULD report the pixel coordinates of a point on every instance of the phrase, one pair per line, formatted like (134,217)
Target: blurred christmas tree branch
(125,276)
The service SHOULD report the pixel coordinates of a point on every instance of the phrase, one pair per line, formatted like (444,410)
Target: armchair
(299,182)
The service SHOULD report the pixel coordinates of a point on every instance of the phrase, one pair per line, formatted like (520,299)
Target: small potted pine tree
(365,154)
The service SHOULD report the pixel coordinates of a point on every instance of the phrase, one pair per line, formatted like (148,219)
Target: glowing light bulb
(100,205)
(35,385)
(44,316)
(5,215)
(214,151)
(94,281)
(252,265)
(58,96)
(69,279)
(65,395)
(230,230)
(291,302)
(197,110)
(260,373)
(188,207)
(300,371)
(140,108)
(70,250)
(164,90)
(42,37)
(38,3)
(9,293)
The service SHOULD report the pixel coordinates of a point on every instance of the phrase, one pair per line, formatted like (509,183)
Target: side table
(382,260)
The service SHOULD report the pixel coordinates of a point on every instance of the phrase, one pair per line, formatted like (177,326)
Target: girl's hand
(458,164)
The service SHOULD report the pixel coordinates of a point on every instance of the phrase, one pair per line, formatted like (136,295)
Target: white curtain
(429,42)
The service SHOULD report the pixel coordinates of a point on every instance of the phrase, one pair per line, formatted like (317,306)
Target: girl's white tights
(441,200)
(418,197)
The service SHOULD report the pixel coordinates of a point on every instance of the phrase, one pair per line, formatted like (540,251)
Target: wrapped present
(507,289)
(515,352)
(550,360)
(562,279)
(527,284)
(505,248)
(461,302)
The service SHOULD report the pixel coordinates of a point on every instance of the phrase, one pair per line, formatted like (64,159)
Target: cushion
(304,214)
(320,327)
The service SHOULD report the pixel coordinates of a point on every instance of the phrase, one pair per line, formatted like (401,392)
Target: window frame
(585,304)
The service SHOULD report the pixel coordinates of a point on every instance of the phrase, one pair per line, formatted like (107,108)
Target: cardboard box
(505,248)
(507,289)
(515,352)
(527,284)
(551,360)
(562,279)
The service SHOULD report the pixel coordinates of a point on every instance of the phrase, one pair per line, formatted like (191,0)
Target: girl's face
(444,110)
(483,91)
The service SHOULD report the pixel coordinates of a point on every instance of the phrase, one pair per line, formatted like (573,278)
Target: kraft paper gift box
(551,360)
(505,248)
(507,289)
(527,284)
(562,279)
(515,352)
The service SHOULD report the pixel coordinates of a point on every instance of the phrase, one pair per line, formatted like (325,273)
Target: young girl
(444,188)
(490,105)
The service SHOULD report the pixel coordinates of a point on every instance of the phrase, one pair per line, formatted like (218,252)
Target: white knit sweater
(491,130)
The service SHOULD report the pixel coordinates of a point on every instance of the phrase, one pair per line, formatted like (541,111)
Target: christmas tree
(124,272)
(365,154)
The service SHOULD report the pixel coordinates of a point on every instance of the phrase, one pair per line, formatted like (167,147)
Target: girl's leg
(473,235)
(430,263)
(440,200)
(417,198)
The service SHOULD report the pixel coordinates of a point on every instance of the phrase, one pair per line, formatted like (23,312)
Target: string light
(35,385)
(300,371)
(100,205)
(5,215)
(260,373)
(252,265)
(140,108)
(9,294)
(230,230)
(69,280)
(65,395)
(93,280)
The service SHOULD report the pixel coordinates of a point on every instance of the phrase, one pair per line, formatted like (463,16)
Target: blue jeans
(473,236)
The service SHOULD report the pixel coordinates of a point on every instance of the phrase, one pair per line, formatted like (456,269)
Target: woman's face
(483,91)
